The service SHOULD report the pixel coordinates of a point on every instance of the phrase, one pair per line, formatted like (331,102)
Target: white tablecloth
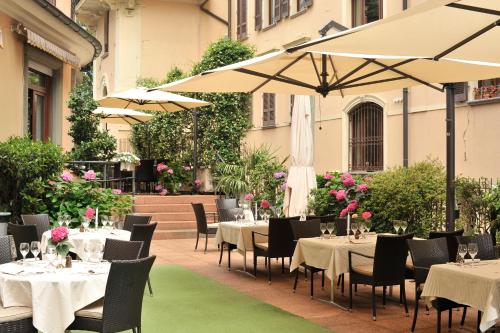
(78,239)
(477,286)
(54,296)
(240,234)
(332,254)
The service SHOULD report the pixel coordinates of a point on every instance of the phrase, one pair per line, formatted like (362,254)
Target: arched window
(366,137)
(104,91)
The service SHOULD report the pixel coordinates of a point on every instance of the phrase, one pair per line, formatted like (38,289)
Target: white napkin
(248,215)
(11,268)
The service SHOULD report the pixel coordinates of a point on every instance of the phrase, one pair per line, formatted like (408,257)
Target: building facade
(41,52)
(355,133)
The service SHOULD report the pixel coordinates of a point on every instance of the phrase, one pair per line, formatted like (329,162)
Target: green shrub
(475,202)
(25,168)
(75,196)
(415,194)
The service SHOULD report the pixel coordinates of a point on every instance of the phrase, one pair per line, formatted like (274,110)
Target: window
(241,22)
(366,11)
(303,4)
(268,110)
(38,105)
(366,133)
(487,89)
(106,32)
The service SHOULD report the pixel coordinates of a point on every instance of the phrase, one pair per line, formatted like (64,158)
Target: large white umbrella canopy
(121,116)
(301,176)
(142,99)
(345,73)
(464,29)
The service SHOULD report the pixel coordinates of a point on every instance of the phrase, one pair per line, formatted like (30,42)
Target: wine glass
(303,215)
(86,223)
(51,254)
(60,221)
(323,229)
(111,222)
(354,227)
(330,226)
(472,249)
(361,228)
(87,249)
(236,216)
(397,225)
(35,249)
(24,248)
(104,221)
(100,251)
(462,251)
(242,216)
(404,225)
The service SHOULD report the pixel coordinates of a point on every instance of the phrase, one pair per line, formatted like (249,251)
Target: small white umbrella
(301,176)
(142,99)
(121,116)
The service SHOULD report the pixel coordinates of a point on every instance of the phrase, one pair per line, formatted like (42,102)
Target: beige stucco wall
(11,82)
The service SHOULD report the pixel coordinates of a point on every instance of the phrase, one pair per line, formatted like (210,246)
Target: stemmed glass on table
(330,226)
(354,227)
(51,254)
(472,249)
(323,228)
(35,249)
(462,252)
(24,248)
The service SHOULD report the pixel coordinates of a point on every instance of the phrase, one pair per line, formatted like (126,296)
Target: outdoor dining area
(446,270)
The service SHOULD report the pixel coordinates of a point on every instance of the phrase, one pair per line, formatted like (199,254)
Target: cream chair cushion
(93,310)
(263,246)
(15,313)
(364,269)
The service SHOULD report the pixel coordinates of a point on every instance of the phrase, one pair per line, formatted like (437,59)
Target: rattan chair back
(485,248)
(143,233)
(451,240)
(425,253)
(389,261)
(22,234)
(306,229)
(130,220)
(41,221)
(116,249)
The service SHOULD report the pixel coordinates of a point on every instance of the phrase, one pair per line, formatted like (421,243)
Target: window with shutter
(285,8)
(487,89)
(268,110)
(106,32)
(461,92)
(366,11)
(274,11)
(303,4)
(258,15)
(241,14)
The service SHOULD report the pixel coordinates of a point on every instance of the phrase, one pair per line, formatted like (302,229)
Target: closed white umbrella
(121,116)
(301,176)
(142,99)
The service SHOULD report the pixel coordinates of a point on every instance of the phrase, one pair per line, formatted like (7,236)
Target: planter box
(205,175)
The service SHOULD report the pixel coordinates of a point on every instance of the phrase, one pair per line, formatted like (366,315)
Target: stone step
(175,234)
(170,208)
(175,225)
(161,217)
(174,199)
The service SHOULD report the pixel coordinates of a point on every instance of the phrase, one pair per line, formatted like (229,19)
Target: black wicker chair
(426,253)
(122,305)
(115,249)
(146,174)
(227,215)
(223,206)
(144,233)
(16,319)
(130,220)
(388,268)
(41,221)
(485,247)
(451,240)
(340,226)
(202,227)
(308,229)
(280,244)
(5,250)
(22,234)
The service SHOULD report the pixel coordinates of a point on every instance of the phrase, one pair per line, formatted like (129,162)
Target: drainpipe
(215,16)
(405,114)
(229,18)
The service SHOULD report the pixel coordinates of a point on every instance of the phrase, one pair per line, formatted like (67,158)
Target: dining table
(78,239)
(53,294)
(240,234)
(474,284)
(331,255)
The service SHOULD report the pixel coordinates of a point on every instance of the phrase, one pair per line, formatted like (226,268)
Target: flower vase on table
(265,210)
(59,239)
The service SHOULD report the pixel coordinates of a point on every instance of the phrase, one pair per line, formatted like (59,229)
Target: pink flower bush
(67,176)
(89,175)
(161,167)
(264,204)
(343,212)
(328,176)
(170,171)
(362,188)
(333,193)
(59,234)
(117,191)
(248,197)
(197,182)
(158,187)
(352,206)
(340,195)
(164,192)
(348,181)
(366,215)
(90,213)
(187,168)
(284,186)
(279,175)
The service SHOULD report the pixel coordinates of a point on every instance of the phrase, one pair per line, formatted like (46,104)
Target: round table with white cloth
(53,294)
(78,239)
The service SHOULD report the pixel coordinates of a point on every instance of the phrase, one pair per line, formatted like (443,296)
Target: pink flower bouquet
(59,238)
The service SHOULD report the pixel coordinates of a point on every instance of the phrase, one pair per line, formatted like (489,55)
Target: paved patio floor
(389,319)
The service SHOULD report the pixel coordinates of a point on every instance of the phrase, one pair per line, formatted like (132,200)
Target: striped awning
(43,44)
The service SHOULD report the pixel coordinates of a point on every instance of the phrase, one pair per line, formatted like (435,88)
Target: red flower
(352,206)
(366,215)
(59,234)
(264,204)
(333,193)
(343,212)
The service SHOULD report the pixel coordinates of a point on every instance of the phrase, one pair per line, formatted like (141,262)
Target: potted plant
(128,161)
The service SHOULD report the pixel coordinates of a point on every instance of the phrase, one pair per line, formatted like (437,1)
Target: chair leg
(254,265)
(265,262)
(296,280)
(342,285)
(229,256)
(197,239)
(269,271)
(322,279)
(415,314)
(374,305)
(221,253)
(438,328)
(150,288)
(479,314)
(305,274)
(282,265)
(355,288)
(384,291)
(350,294)
(450,317)
(464,313)
(312,284)
(402,290)
(206,243)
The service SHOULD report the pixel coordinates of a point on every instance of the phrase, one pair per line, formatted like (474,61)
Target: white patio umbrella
(463,29)
(301,176)
(121,116)
(142,99)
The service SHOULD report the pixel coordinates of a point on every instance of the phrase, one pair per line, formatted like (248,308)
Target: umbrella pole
(195,147)
(450,156)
